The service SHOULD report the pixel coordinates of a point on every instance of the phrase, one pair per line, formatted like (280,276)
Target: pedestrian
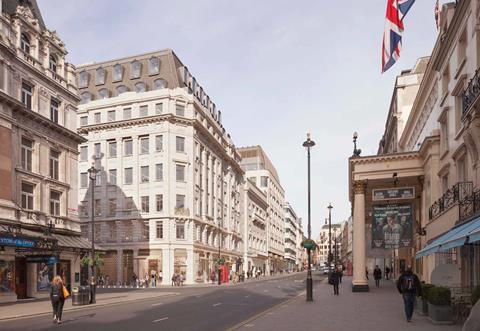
(409,286)
(377,274)
(334,280)
(212,276)
(57,299)
(366,273)
(387,272)
(180,279)
(134,280)
(153,280)
(146,280)
(174,279)
(340,274)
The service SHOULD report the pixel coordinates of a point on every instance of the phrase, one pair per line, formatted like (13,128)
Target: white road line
(216,304)
(160,319)
(265,290)
(247,296)
(157,304)
(249,325)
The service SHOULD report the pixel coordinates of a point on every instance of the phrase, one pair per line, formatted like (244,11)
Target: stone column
(210,184)
(204,183)
(190,266)
(359,282)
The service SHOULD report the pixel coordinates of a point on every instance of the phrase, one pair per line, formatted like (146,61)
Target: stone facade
(293,239)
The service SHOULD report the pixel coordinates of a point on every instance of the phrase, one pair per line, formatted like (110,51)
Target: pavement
(380,309)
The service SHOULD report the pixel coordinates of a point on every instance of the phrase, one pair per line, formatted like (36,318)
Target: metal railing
(470,206)
(453,195)
(471,93)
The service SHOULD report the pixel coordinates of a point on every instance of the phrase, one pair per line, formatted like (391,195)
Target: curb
(11,318)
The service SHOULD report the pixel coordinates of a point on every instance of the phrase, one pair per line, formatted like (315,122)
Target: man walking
(335,280)
(409,286)
(387,272)
(377,274)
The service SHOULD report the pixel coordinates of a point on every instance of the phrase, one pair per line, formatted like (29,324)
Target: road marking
(160,319)
(269,313)
(157,304)
(265,290)
(216,304)
(249,325)
(247,296)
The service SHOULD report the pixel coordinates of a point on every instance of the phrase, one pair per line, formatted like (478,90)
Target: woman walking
(57,298)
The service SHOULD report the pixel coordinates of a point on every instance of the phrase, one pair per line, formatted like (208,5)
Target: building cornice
(384,158)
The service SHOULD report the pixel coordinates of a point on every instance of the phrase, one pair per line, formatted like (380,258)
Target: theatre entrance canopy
(386,196)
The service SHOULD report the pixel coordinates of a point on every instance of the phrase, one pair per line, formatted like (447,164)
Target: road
(212,308)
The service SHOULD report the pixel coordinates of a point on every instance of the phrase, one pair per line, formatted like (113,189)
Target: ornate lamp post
(329,238)
(356,152)
(309,144)
(92,172)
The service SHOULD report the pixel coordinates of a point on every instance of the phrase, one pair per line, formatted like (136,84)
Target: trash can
(77,299)
(85,295)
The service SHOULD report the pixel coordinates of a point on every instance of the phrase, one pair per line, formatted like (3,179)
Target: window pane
(143,111)
(140,87)
(127,113)
(97,118)
(159,172)
(83,79)
(180,144)
(117,72)
(159,202)
(113,176)
(136,69)
(83,153)
(158,108)
(144,174)
(159,228)
(121,89)
(128,175)
(180,227)
(100,76)
(180,110)
(84,180)
(153,65)
(180,203)
(83,120)
(103,93)
(180,173)
(112,149)
(128,147)
(112,207)
(159,143)
(145,204)
(159,84)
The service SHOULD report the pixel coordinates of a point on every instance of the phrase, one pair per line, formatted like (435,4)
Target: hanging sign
(393,193)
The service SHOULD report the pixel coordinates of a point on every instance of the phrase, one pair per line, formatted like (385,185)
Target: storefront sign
(393,193)
(392,226)
(17,242)
(47,259)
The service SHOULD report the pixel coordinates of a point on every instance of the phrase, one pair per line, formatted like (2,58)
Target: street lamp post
(329,238)
(309,144)
(93,177)
(356,152)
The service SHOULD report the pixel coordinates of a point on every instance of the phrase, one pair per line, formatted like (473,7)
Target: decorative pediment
(26,13)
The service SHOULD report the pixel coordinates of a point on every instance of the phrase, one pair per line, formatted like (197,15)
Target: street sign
(17,242)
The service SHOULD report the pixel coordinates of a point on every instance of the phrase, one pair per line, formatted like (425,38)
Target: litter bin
(77,299)
(85,295)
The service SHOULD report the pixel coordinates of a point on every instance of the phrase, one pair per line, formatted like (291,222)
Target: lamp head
(355,135)
(309,142)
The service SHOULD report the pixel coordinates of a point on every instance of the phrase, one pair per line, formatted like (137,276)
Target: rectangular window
(127,147)
(159,143)
(445,183)
(27,151)
(128,204)
(128,176)
(159,228)
(83,120)
(27,95)
(112,231)
(180,144)
(180,173)
(159,202)
(145,204)
(54,110)
(112,207)
(84,180)
(144,145)
(158,108)
(112,173)
(143,111)
(97,118)
(97,150)
(159,172)
(55,203)
(180,201)
(444,135)
(54,161)
(98,207)
(27,196)
(263,181)
(83,210)
(112,148)
(180,110)
(180,230)
(111,115)
(98,179)
(127,113)
(83,153)
(144,174)
(462,169)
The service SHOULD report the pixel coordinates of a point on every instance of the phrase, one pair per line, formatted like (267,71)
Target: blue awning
(458,236)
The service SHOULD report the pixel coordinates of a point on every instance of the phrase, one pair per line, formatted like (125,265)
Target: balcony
(454,195)
(469,206)
(471,93)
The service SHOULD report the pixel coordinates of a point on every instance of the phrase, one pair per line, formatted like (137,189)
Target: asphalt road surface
(196,309)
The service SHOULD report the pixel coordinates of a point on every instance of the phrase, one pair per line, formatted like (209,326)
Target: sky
(276,69)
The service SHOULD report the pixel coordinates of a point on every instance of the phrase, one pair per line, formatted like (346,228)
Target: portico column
(204,183)
(359,282)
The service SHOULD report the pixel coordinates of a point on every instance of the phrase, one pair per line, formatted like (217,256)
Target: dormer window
(140,87)
(25,43)
(121,89)
(52,63)
(136,69)
(85,97)
(83,79)
(159,84)
(153,66)
(100,76)
(103,93)
(117,72)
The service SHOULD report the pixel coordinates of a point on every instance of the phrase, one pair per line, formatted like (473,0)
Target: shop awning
(458,236)
(74,242)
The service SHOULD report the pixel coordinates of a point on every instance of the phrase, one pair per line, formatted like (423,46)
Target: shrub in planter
(422,302)
(439,309)
(475,295)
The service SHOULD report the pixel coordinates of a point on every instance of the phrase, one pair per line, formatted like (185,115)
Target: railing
(471,93)
(470,206)
(453,195)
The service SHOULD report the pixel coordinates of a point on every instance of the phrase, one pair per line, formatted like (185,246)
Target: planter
(422,306)
(440,314)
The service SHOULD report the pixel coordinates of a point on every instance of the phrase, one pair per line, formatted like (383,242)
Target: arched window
(85,97)
(100,76)
(153,66)
(121,89)
(136,69)
(83,79)
(52,63)
(140,87)
(117,72)
(25,43)
(159,84)
(103,93)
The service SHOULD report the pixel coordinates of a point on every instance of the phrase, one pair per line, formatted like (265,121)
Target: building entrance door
(21,277)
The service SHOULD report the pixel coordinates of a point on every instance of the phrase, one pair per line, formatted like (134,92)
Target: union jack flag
(392,37)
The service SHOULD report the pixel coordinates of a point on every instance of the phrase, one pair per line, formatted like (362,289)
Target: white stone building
(39,228)
(260,171)
(323,243)
(293,239)
(169,186)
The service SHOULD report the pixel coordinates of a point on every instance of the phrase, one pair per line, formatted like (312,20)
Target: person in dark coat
(409,286)
(57,299)
(335,280)
(377,274)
